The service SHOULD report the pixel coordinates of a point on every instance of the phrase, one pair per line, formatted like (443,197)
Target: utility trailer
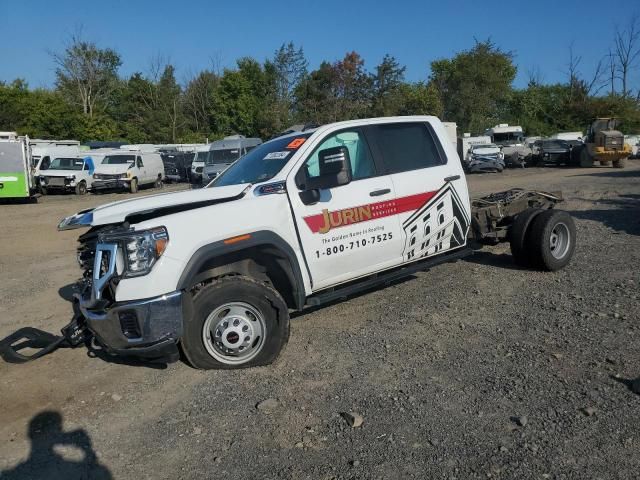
(16,181)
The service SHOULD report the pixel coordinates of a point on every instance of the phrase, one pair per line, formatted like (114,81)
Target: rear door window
(407,146)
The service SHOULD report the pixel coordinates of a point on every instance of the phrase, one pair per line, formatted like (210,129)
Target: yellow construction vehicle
(603,143)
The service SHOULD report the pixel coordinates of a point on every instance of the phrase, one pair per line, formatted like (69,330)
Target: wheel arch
(264,255)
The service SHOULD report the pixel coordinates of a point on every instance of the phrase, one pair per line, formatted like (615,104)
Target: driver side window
(362,165)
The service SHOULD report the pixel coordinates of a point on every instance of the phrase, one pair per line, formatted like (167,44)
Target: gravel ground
(476,369)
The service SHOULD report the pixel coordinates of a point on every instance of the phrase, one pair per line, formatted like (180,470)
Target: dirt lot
(476,369)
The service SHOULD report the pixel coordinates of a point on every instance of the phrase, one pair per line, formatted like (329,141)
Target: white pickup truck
(300,220)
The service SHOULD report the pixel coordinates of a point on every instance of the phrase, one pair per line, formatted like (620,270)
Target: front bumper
(146,328)
(110,184)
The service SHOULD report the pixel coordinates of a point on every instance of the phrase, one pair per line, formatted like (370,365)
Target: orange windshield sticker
(295,143)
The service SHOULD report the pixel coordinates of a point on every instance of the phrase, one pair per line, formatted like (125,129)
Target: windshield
(509,137)
(202,156)
(262,163)
(555,144)
(229,155)
(66,164)
(118,159)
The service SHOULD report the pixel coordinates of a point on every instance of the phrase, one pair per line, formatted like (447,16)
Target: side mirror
(335,170)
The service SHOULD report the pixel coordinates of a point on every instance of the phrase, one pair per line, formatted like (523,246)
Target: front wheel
(81,188)
(133,186)
(237,322)
(43,190)
(620,163)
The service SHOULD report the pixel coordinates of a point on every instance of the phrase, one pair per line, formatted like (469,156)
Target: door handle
(377,193)
(452,178)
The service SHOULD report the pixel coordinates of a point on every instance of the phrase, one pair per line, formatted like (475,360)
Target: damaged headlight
(141,250)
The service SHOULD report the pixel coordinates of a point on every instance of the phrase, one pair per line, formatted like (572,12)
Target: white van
(41,156)
(197,166)
(68,174)
(128,169)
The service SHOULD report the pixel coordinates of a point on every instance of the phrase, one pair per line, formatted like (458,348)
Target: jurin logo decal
(328,220)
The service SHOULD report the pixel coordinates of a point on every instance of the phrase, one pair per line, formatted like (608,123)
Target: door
(352,230)
(142,175)
(431,193)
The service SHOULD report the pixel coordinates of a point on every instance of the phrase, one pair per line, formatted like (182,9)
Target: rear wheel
(81,188)
(237,322)
(551,240)
(133,186)
(158,183)
(518,234)
(621,163)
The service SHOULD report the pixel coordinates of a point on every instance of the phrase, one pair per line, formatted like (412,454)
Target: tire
(621,163)
(518,234)
(551,240)
(259,310)
(81,188)
(158,183)
(43,190)
(585,160)
(133,186)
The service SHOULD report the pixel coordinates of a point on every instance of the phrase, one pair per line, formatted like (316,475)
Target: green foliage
(86,74)
(473,88)
(475,85)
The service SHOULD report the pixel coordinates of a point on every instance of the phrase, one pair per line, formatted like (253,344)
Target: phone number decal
(353,245)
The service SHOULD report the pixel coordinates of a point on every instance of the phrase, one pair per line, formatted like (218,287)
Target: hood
(60,173)
(144,208)
(216,167)
(112,169)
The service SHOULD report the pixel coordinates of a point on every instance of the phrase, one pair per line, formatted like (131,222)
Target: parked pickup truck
(302,219)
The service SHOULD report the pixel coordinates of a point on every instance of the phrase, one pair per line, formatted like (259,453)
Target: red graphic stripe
(351,215)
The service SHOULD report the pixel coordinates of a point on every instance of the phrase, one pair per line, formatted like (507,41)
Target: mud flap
(73,334)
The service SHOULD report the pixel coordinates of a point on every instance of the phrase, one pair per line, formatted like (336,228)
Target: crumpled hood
(486,151)
(153,205)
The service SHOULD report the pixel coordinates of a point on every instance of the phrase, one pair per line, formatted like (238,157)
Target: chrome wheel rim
(559,241)
(234,333)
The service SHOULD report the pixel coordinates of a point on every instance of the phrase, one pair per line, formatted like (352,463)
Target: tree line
(474,88)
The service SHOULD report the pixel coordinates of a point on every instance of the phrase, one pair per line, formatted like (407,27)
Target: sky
(195,35)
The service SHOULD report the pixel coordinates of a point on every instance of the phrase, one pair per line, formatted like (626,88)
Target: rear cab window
(408,146)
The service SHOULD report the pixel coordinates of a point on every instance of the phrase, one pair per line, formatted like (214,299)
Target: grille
(55,181)
(612,143)
(106,176)
(86,255)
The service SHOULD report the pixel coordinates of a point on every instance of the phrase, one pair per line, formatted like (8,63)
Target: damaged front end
(146,328)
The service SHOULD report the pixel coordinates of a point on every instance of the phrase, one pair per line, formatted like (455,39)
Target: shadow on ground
(611,174)
(47,438)
(624,216)
(499,260)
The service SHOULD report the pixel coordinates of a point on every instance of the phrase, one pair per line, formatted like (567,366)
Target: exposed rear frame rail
(492,215)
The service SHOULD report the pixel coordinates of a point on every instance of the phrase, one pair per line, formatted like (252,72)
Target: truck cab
(303,219)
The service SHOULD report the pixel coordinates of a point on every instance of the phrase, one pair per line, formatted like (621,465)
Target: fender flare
(257,239)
